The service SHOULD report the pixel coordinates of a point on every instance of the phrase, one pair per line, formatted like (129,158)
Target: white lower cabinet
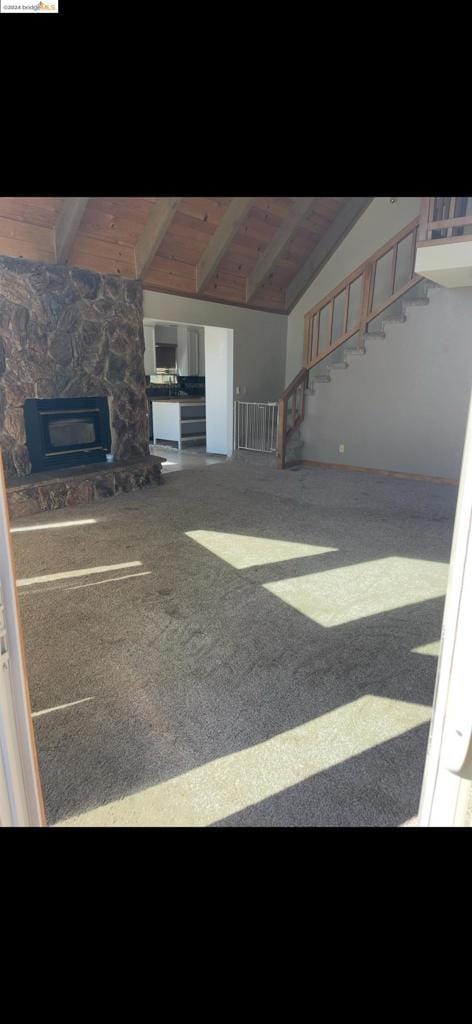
(180,423)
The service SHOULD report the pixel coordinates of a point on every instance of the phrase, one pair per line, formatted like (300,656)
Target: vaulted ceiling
(260,252)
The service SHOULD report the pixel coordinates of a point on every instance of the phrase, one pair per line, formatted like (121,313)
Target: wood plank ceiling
(245,251)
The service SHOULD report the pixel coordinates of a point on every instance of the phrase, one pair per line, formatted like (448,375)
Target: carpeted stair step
(355,345)
(354,352)
(417,301)
(396,318)
(374,336)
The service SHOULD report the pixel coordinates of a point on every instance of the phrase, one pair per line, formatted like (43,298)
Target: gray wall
(403,406)
(259,339)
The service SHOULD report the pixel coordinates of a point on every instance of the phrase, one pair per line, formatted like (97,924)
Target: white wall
(380,222)
(259,339)
(219,390)
(182,351)
(171,334)
(201,352)
(403,406)
(193,354)
(149,351)
(449,264)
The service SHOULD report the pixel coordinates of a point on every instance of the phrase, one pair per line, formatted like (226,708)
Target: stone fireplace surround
(66,332)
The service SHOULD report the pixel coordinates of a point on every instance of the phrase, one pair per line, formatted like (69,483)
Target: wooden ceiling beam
(320,255)
(158,222)
(227,228)
(271,254)
(67,226)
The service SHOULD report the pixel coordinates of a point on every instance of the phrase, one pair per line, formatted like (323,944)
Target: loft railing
(444,219)
(346,313)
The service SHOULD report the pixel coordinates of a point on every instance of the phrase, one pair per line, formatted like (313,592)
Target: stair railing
(291,413)
(346,312)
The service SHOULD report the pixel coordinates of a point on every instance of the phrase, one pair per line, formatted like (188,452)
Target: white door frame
(448,772)
(219,358)
(219,388)
(21,801)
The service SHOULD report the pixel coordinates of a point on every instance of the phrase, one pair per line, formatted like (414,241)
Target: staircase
(342,357)
(337,331)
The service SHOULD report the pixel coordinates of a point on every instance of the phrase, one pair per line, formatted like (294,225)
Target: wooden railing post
(366,301)
(414,244)
(302,404)
(294,394)
(424,218)
(281,433)
(306,340)
(452,211)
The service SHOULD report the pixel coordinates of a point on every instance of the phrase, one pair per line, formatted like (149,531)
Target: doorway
(189,378)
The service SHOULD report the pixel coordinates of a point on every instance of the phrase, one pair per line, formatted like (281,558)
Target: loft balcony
(444,245)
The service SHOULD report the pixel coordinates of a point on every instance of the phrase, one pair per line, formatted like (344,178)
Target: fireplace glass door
(70,432)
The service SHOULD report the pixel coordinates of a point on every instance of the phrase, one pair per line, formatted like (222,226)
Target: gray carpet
(240,682)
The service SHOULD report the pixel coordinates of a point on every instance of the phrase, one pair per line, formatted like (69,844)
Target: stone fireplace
(69,333)
(71,337)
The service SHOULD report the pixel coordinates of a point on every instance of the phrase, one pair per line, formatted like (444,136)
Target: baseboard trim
(310,464)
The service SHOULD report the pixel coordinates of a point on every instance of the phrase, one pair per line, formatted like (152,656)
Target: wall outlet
(341,449)
(238,389)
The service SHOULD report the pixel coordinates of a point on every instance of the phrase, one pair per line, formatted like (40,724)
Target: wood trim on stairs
(311,464)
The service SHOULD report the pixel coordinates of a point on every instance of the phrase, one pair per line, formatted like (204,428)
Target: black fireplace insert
(63,432)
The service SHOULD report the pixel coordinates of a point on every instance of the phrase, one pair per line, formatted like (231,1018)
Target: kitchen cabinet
(180,421)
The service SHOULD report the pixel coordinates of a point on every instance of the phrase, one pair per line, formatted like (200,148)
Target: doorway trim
(21,799)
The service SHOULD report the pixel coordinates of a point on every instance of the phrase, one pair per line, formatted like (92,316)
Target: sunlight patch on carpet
(225,786)
(242,551)
(336,596)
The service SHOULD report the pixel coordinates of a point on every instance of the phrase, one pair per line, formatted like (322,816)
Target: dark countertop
(180,400)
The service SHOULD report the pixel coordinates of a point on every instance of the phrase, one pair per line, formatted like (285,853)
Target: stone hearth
(39,492)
